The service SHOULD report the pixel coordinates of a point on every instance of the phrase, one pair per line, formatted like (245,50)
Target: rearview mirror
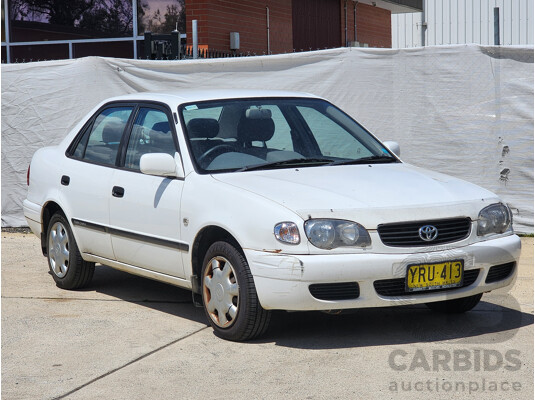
(161,164)
(393,147)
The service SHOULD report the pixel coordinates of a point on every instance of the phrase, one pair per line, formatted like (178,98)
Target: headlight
(496,218)
(332,233)
(287,232)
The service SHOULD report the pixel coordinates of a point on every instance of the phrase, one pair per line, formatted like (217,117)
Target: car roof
(189,95)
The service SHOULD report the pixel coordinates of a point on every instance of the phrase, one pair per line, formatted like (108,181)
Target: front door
(144,209)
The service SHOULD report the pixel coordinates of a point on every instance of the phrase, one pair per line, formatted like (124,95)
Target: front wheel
(67,266)
(456,306)
(229,295)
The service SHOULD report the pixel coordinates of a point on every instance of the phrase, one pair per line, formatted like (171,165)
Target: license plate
(443,275)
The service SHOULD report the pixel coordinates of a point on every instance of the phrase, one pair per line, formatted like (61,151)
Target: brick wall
(217,18)
(374,25)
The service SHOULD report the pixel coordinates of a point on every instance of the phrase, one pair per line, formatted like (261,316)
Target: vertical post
(159,50)
(424,23)
(496,26)
(267,17)
(194,44)
(148,45)
(6,27)
(175,45)
(134,26)
(497,73)
(355,19)
(345,17)
(70,50)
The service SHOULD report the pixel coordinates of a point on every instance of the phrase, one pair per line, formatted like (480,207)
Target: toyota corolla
(260,201)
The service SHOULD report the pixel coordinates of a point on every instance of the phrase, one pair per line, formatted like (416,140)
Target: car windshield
(268,133)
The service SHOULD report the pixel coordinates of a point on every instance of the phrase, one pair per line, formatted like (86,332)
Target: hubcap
(58,250)
(220,291)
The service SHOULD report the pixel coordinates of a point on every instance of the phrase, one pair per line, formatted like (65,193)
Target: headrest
(206,128)
(112,132)
(162,127)
(250,130)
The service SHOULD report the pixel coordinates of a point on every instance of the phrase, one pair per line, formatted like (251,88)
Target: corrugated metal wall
(465,21)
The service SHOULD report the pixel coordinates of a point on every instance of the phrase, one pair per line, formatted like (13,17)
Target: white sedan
(260,201)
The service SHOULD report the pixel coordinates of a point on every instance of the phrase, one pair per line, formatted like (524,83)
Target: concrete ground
(129,338)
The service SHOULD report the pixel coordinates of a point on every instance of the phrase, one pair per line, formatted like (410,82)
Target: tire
(456,306)
(67,266)
(229,295)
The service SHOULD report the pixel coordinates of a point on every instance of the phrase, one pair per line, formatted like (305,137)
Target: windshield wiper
(367,160)
(288,163)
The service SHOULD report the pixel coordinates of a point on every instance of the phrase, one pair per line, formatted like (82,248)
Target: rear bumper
(32,213)
(282,281)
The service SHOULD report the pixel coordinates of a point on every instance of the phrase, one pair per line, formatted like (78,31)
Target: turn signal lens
(287,232)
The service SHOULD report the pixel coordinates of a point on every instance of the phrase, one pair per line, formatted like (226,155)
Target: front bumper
(282,281)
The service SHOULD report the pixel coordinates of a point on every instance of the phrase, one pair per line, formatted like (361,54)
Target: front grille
(405,234)
(396,287)
(500,272)
(335,291)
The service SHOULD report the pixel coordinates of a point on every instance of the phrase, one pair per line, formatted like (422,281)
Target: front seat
(201,132)
(255,130)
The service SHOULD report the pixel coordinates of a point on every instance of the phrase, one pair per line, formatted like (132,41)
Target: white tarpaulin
(463,110)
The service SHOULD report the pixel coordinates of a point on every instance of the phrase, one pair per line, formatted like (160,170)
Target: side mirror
(161,164)
(393,147)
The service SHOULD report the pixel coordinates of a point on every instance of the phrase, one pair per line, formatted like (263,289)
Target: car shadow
(318,330)
(146,292)
(487,323)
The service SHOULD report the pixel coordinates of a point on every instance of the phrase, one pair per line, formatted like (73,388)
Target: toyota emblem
(428,233)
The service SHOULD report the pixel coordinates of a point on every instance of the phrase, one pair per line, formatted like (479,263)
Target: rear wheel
(67,266)
(229,295)
(456,306)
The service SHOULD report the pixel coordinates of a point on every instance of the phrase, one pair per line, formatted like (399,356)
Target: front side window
(151,133)
(245,134)
(333,139)
(100,142)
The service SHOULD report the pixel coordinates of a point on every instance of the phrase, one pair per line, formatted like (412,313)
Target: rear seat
(106,152)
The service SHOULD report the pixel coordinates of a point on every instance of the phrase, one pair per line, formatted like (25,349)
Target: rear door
(87,174)
(145,210)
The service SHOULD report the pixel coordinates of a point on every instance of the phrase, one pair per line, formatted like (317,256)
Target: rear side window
(151,133)
(100,142)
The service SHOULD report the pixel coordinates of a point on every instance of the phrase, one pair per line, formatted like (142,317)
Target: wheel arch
(49,209)
(203,240)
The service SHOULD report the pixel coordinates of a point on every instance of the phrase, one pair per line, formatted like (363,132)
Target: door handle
(65,180)
(117,191)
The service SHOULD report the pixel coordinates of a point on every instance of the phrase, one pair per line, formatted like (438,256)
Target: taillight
(28,176)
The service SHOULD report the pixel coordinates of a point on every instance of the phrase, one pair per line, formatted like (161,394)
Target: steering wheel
(209,155)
